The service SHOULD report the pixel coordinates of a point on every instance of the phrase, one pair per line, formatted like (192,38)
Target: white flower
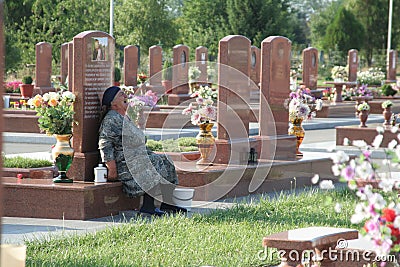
(68,95)
(340,157)
(360,144)
(377,141)
(336,170)
(346,141)
(365,170)
(326,185)
(315,179)
(392,144)
(380,130)
(394,129)
(386,184)
(378,201)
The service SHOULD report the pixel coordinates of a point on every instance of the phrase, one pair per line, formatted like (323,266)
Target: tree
(345,32)
(373,14)
(202,24)
(319,22)
(145,23)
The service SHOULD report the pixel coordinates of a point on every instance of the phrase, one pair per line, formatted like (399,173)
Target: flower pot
(63,155)
(363,118)
(26,90)
(387,115)
(296,129)
(205,141)
(182,197)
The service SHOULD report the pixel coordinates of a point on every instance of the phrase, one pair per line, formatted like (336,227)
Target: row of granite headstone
(181,56)
(88,78)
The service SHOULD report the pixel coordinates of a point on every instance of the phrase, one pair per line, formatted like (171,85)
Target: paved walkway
(320,135)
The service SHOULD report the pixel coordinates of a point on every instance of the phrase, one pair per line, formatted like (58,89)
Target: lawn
(231,237)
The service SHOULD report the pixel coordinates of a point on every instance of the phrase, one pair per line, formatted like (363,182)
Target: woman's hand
(112,171)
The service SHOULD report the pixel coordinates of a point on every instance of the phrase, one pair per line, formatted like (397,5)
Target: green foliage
(373,15)
(24,162)
(182,144)
(387,90)
(345,32)
(211,239)
(167,70)
(27,80)
(117,74)
(145,23)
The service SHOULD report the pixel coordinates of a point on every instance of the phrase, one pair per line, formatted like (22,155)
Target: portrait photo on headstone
(99,45)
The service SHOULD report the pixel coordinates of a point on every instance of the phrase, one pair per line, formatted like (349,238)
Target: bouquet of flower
(379,208)
(55,111)
(12,87)
(373,76)
(387,104)
(302,105)
(203,110)
(206,92)
(363,91)
(363,106)
(339,72)
(141,78)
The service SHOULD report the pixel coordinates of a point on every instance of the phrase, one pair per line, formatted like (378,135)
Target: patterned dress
(138,168)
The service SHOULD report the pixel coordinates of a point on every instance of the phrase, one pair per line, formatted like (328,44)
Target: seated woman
(122,148)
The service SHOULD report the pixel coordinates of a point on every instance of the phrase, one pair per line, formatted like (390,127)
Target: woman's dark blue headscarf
(109,95)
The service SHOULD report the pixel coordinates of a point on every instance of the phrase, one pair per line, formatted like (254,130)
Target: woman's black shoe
(155,212)
(172,209)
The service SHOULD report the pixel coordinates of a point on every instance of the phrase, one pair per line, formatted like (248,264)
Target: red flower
(19,176)
(389,214)
(395,233)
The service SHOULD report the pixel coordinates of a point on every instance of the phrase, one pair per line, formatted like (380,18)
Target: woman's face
(119,102)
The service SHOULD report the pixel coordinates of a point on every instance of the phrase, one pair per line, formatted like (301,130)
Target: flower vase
(296,128)
(63,155)
(363,118)
(387,115)
(205,141)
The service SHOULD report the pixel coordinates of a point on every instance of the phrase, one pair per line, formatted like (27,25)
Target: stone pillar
(155,70)
(352,61)
(180,70)
(201,63)
(64,63)
(43,68)
(275,89)
(131,55)
(70,64)
(310,67)
(180,86)
(233,109)
(93,74)
(391,69)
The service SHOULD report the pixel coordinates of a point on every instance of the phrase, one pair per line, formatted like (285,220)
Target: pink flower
(348,173)
(19,176)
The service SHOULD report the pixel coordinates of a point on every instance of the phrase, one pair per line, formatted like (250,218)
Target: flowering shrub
(373,76)
(55,111)
(12,87)
(387,104)
(363,106)
(302,105)
(378,209)
(203,110)
(339,72)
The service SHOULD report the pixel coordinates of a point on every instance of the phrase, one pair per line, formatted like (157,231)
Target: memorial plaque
(43,68)
(180,70)
(391,72)
(255,64)
(353,65)
(93,59)
(201,63)
(131,55)
(64,63)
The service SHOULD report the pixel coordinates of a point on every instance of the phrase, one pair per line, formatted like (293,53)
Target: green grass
(230,237)
(182,144)
(23,162)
